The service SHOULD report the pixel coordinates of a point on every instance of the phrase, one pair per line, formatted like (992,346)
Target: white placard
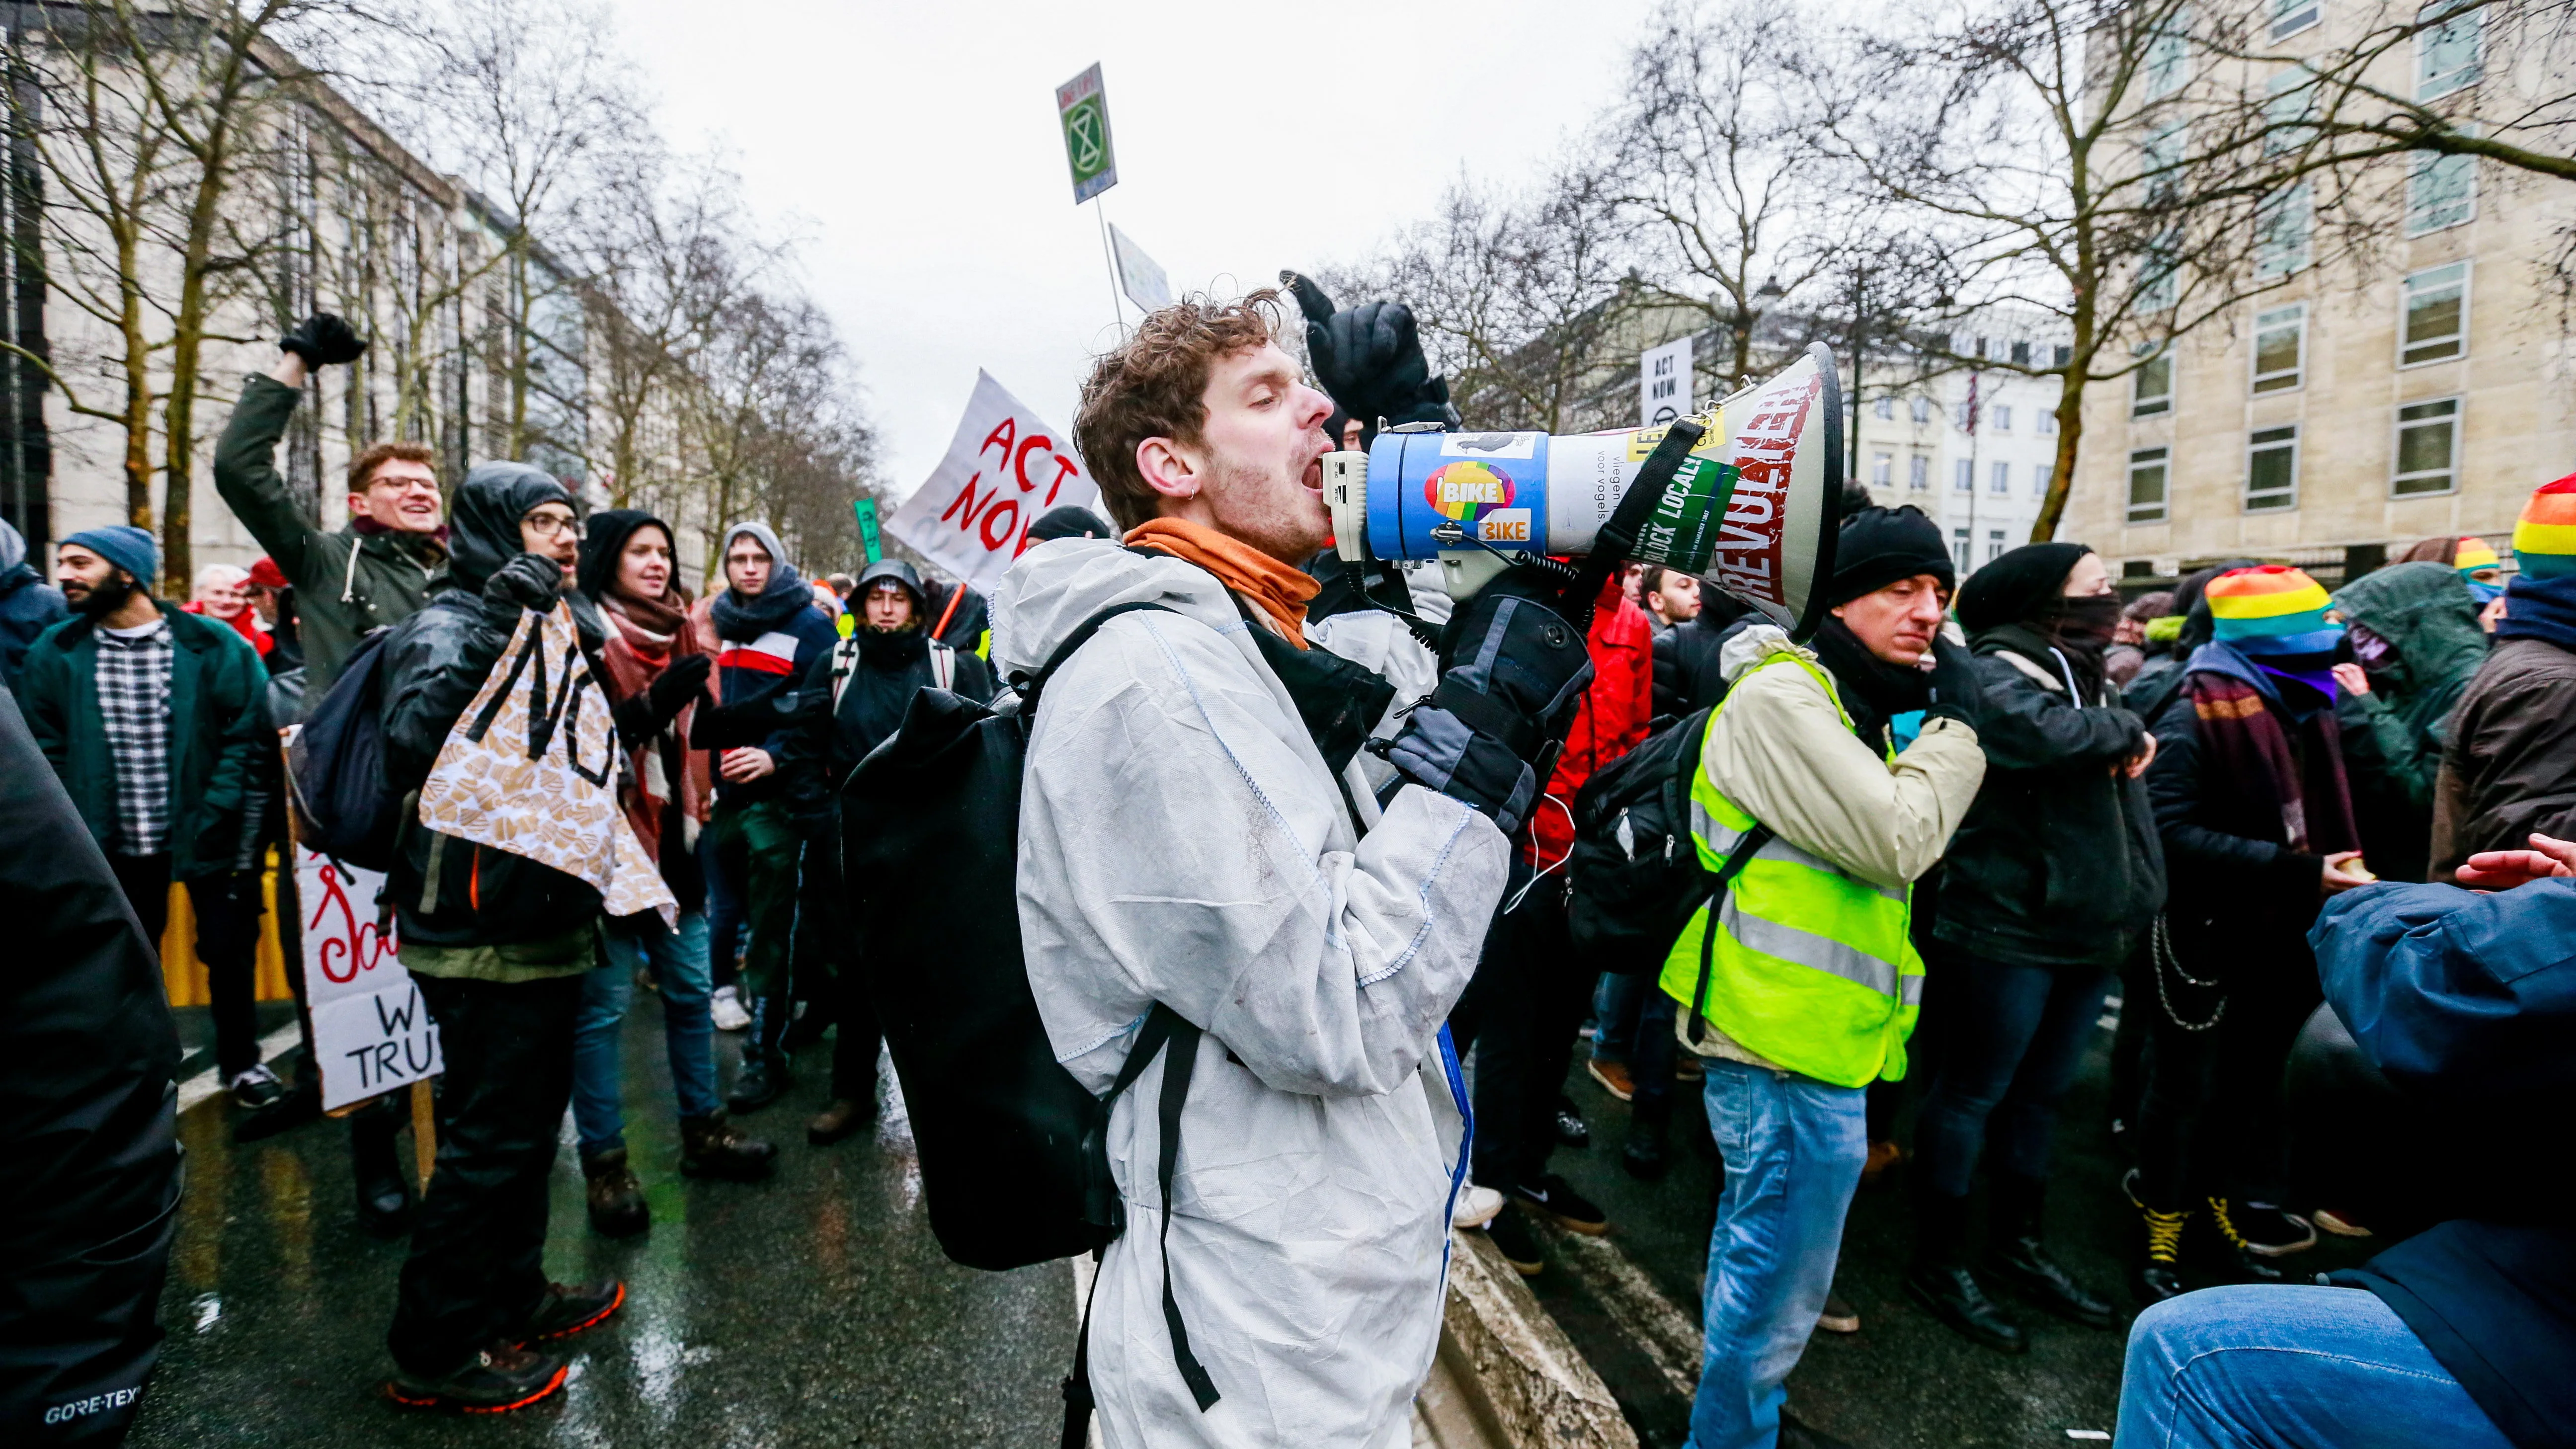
(1664,383)
(371,1031)
(1005,468)
(1139,275)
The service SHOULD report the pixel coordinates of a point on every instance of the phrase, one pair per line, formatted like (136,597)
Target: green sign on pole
(866,509)
(1082,108)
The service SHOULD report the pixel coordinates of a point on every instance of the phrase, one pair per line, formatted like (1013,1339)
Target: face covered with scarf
(2057,596)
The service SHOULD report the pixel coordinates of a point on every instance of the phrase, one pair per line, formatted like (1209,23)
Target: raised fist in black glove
(528,581)
(1955,691)
(1370,359)
(1515,670)
(642,716)
(323,339)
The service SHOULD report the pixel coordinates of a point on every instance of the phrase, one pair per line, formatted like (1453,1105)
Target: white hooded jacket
(1182,841)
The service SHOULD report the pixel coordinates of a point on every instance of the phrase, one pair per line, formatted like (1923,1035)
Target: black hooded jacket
(887,670)
(434,663)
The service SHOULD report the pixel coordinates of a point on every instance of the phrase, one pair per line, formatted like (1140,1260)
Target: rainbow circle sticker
(1467,490)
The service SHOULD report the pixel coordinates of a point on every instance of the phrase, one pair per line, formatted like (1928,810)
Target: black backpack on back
(1014,1165)
(343,808)
(1634,875)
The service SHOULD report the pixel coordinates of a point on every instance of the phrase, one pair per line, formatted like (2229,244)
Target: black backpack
(342,806)
(1634,875)
(1014,1165)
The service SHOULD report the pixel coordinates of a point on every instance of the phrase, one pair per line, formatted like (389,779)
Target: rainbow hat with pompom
(2544,538)
(2475,555)
(2272,610)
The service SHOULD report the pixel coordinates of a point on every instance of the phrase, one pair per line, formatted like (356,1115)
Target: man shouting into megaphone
(1222,921)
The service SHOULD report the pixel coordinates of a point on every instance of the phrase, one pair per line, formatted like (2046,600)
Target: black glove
(641,717)
(323,339)
(1955,691)
(1499,709)
(528,581)
(1370,359)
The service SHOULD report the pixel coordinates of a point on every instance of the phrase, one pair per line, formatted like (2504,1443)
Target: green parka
(346,583)
(220,747)
(2393,736)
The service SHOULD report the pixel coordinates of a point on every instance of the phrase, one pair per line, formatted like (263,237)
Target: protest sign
(1082,109)
(1139,275)
(865,509)
(371,1033)
(531,768)
(1004,469)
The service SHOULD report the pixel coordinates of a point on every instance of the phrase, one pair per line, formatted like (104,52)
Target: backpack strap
(1101,1208)
(1746,847)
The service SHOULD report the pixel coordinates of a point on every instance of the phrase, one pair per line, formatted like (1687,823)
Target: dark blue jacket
(2467,1004)
(758,683)
(28,607)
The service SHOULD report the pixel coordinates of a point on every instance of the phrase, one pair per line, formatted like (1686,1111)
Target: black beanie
(1878,546)
(2013,588)
(1070,522)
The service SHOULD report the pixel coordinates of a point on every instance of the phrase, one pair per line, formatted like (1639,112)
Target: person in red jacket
(1530,991)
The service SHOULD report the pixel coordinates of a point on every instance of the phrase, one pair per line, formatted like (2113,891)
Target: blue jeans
(1793,1149)
(724,910)
(2016,1034)
(1636,1027)
(680,966)
(2289,1368)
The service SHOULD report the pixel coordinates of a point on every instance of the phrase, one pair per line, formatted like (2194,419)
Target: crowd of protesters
(1950,825)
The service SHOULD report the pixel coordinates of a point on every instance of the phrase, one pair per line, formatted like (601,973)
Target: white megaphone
(1747,495)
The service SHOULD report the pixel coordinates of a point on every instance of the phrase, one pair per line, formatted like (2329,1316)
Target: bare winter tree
(771,428)
(2062,156)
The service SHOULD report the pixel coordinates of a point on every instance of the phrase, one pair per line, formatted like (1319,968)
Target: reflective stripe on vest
(1813,967)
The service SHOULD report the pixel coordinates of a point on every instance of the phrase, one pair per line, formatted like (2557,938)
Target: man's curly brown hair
(1154,385)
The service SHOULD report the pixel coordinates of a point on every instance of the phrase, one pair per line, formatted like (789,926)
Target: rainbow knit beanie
(2475,554)
(2271,611)
(2544,538)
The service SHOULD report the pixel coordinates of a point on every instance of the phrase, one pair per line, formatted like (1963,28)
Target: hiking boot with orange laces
(493,1381)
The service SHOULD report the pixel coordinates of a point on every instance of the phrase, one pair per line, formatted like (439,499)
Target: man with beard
(769,632)
(151,716)
(375,570)
(854,699)
(1803,989)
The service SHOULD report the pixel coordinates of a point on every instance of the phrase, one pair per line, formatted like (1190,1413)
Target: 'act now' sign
(1005,468)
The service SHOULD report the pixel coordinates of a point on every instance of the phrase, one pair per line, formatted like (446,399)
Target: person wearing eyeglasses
(377,568)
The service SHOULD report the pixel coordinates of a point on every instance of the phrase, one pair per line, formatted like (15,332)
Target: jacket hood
(13,546)
(782,574)
(483,517)
(1049,592)
(2425,611)
(1751,645)
(902,573)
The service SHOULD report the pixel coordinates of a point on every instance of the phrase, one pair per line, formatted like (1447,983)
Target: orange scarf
(1279,590)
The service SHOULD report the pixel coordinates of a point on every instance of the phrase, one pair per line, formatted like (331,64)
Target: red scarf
(2243,735)
(634,657)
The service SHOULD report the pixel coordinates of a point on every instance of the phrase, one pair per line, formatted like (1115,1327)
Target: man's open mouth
(1312,480)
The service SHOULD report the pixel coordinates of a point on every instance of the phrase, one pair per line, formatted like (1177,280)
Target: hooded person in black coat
(88,1061)
(2052,875)
(856,697)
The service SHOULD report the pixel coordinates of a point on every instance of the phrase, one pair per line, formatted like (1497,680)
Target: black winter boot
(1643,1155)
(2159,1271)
(765,1077)
(2017,1254)
(615,1199)
(1940,1283)
(384,1195)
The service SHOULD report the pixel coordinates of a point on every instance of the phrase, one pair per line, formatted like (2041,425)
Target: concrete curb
(1507,1377)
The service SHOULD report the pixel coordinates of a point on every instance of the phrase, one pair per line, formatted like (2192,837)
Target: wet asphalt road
(1904,1380)
(812,1309)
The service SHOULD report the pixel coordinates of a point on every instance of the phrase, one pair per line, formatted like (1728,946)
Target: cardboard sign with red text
(1005,468)
(371,1032)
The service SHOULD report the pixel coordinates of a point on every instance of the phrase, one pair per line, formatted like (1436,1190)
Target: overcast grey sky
(914,149)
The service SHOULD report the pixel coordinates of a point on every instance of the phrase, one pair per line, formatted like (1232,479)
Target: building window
(1963,477)
(2435,325)
(1886,407)
(2168,56)
(2003,418)
(2065,355)
(2281,233)
(1994,544)
(2447,56)
(2428,448)
(2160,156)
(2160,273)
(2289,17)
(1963,549)
(2021,354)
(2151,386)
(2039,480)
(2290,100)
(2272,470)
(1882,469)
(2280,348)
(1999,479)
(2441,191)
(2147,485)
(1922,411)
(1918,473)
(1967,417)
(2044,424)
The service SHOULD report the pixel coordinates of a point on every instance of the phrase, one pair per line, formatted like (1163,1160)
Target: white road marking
(1669,1337)
(206,1083)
